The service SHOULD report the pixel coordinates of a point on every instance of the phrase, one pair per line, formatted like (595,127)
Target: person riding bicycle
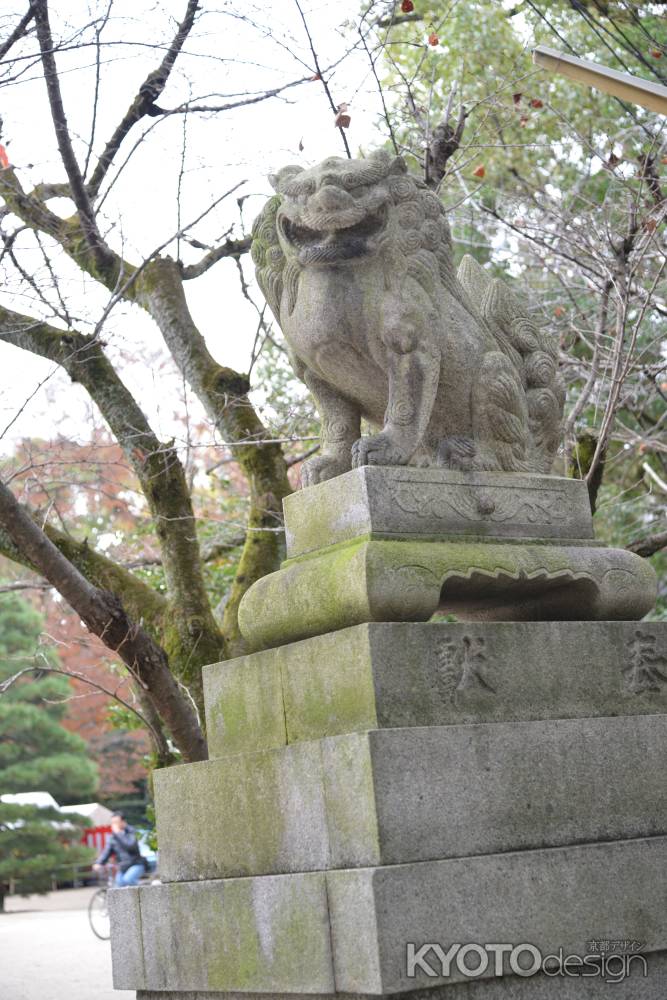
(124,846)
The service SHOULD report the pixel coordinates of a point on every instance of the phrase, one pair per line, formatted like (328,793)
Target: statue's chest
(335,317)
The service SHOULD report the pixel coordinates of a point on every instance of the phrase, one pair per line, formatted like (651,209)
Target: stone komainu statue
(355,260)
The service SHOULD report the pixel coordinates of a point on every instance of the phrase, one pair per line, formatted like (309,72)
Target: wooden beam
(623,85)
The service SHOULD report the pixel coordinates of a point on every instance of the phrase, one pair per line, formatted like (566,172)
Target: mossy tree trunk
(178,632)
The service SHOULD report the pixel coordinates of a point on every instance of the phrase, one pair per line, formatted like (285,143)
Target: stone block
(243,706)
(267,935)
(393,796)
(243,937)
(385,675)
(636,986)
(411,503)
(559,897)
(318,687)
(405,795)
(127,954)
(366,581)
(249,814)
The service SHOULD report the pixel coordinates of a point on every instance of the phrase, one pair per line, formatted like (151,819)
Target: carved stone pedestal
(399,544)
(380,788)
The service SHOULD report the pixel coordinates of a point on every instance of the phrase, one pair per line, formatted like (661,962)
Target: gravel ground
(49,952)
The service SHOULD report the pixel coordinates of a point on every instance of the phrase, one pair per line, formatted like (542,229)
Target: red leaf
(433,39)
(517,98)
(536,103)
(342,119)
(407,6)
(4,159)
(559,311)
(479,171)
(656,53)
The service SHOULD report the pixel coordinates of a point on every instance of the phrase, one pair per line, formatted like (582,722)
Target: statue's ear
(398,166)
(285,174)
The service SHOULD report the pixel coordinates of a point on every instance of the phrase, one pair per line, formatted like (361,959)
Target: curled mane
(420,244)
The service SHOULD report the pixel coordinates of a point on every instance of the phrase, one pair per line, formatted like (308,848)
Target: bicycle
(98,907)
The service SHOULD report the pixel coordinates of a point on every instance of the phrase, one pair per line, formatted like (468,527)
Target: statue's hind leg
(500,416)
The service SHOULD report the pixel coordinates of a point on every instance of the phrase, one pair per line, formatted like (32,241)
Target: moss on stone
(237,811)
(328,686)
(258,943)
(306,598)
(244,704)
(349,792)
(358,581)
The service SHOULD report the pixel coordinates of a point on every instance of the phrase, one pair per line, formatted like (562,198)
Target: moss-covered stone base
(365,581)
(389,674)
(267,934)
(300,934)
(393,796)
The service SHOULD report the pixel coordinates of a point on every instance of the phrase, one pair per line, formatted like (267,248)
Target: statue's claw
(457,453)
(378,449)
(322,467)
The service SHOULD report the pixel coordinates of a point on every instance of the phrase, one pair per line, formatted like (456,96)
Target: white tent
(41,799)
(96,814)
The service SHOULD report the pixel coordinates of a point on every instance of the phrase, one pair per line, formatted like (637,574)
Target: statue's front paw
(457,453)
(322,467)
(378,449)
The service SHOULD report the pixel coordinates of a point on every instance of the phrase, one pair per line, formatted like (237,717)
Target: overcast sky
(224,56)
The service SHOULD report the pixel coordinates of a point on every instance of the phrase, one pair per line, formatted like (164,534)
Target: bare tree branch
(319,76)
(649,545)
(144,103)
(230,248)
(103,613)
(303,456)
(157,468)
(148,719)
(391,22)
(157,286)
(139,599)
(19,31)
(10,588)
(78,190)
(243,102)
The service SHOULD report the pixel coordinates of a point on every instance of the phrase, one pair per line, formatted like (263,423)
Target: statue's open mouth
(327,245)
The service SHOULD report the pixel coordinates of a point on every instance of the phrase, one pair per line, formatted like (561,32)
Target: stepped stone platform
(380,783)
